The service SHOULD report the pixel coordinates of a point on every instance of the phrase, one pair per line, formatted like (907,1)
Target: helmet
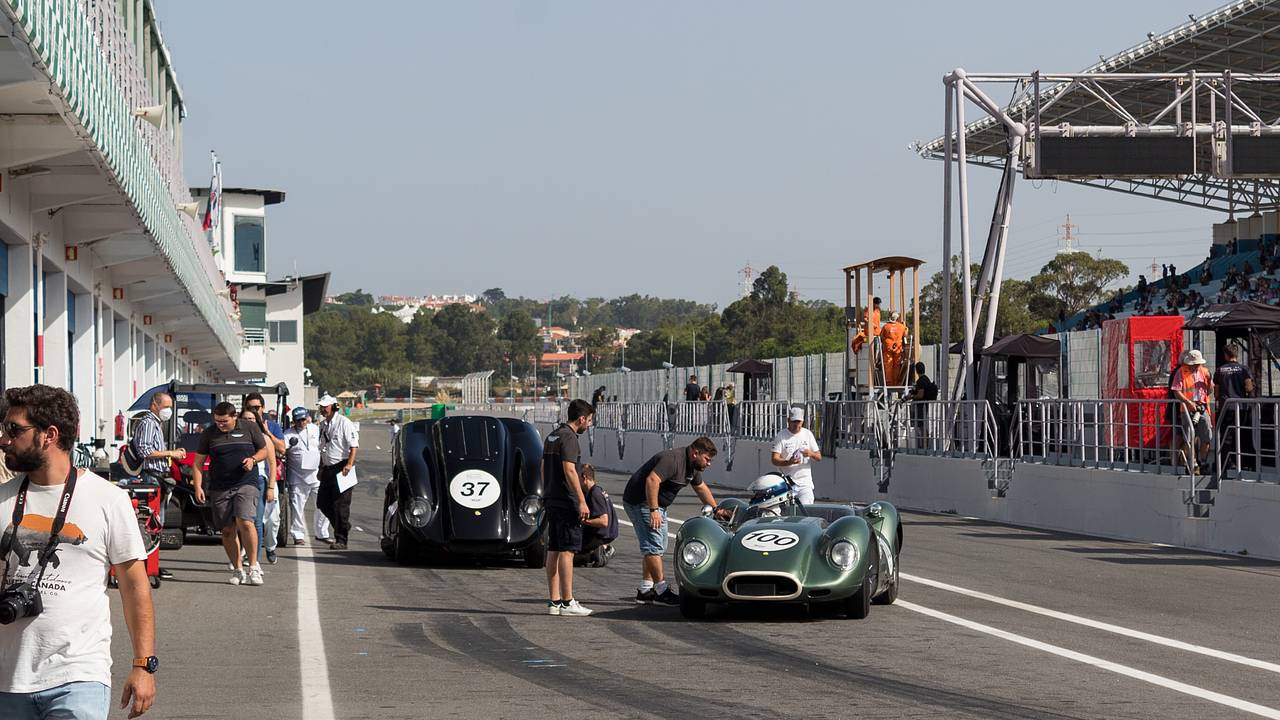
(768,492)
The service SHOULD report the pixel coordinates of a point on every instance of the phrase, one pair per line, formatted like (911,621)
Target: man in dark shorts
(234,448)
(649,492)
(601,526)
(566,507)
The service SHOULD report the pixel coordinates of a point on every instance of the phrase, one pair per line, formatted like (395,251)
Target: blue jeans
(257,519)
(652,542)
(72,701)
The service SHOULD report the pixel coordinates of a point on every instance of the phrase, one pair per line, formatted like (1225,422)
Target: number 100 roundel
(769,540)
(475,489)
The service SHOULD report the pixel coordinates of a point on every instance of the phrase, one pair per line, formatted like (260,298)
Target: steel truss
(1212,109)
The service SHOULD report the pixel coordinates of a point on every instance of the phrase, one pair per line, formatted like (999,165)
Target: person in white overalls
(302,463)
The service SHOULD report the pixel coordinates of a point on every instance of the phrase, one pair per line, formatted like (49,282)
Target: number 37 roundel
(475,489)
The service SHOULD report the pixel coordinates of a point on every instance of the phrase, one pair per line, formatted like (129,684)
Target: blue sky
(602,148)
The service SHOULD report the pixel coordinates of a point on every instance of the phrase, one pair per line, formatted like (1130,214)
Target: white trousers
(299,494)
(271,524)
(804,493)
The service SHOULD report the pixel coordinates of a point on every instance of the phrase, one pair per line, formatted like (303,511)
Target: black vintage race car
(466,485)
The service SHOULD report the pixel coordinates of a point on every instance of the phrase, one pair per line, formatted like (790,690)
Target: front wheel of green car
(858,605)
(692,607)
(891,593)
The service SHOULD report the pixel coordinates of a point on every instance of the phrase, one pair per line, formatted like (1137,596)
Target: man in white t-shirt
(56,663)
(793,450)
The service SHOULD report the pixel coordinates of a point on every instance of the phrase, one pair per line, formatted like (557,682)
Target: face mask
(165,414)
(26,461)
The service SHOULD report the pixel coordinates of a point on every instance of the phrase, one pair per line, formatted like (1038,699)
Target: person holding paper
(339,443)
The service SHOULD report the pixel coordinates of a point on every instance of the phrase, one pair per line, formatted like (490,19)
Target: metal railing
(1114,434)
(955,428)
(1248,436)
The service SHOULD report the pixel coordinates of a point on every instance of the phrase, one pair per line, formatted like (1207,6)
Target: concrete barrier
(1115,504)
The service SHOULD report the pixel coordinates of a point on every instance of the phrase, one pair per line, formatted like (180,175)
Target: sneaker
(165,574)
(338,546)
(609,550)
(554,607)
(646,597)
(255,575)
(271,557)
(299,541)
(573,608)
(667,598)
(237,577)
(231,565)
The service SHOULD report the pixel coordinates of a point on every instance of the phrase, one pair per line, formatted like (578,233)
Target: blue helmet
(768,491)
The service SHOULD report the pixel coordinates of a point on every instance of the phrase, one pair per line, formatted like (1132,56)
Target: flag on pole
(213,210)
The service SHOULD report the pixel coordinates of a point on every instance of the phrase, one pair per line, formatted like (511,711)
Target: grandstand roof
(1243,37)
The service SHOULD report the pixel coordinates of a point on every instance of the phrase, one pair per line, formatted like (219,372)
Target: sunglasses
(12,429)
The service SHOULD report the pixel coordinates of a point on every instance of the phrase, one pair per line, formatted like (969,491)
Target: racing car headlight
(529,509)
(419,512)
(694,553)
(844,554)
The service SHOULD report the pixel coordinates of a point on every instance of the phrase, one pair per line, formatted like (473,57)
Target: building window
(283,331)
(250,252)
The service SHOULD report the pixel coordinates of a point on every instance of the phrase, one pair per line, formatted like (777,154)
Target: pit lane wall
(1123,505)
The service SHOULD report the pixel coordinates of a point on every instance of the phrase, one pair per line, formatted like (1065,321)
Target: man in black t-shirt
(692,391)
(234,448)
(1234,381)
(566,507)
(601,526)
(924,390)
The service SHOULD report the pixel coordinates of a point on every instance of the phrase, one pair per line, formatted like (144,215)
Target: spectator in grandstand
(1142,284)
(1191,387)
(1206,275)
(1248,268)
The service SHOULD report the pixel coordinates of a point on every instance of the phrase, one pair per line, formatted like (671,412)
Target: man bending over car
(649,493)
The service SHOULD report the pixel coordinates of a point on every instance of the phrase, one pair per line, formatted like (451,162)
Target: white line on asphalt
(1098,625)
(317,699)
(1125,670)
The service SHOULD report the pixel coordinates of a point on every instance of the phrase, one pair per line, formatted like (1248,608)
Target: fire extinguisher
(120,426)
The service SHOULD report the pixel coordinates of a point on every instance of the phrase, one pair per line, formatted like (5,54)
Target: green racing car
(775,550)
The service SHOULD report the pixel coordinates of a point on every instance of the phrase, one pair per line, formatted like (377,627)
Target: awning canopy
(1237,316)
(1024,346)
(753,368)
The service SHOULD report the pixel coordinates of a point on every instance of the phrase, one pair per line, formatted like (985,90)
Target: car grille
(762,587)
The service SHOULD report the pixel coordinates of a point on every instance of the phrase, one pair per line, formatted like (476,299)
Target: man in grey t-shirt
(649,492)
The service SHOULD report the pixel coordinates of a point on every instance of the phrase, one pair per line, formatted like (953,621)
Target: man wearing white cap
(302,466)
(339,443)
(793,450)
(1192,388)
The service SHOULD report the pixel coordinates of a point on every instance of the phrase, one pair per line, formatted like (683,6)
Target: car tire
(891,593)
(858,605)
(535,556)
(387,539)
(692,606)
(407,550)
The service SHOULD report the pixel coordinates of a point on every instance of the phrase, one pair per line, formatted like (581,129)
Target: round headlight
(419,512)
(694,553)
(844,554)
(529,509)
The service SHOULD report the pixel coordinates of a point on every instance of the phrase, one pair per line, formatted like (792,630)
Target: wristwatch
(653,509)
(150,663)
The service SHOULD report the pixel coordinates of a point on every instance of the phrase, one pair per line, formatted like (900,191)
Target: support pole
(37,282)
(944,370)
(966,274)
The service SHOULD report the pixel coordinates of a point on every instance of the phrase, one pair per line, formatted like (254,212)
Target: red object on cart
(1138,354)
(147,498)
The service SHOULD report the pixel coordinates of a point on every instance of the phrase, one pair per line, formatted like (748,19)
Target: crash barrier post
(1247,437)
(1112,434)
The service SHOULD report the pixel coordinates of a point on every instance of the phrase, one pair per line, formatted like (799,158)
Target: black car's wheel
(386,539)
(692,606)
(536,554)
(407,551)
(858,605)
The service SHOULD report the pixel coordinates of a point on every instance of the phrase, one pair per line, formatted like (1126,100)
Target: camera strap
(59,520)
